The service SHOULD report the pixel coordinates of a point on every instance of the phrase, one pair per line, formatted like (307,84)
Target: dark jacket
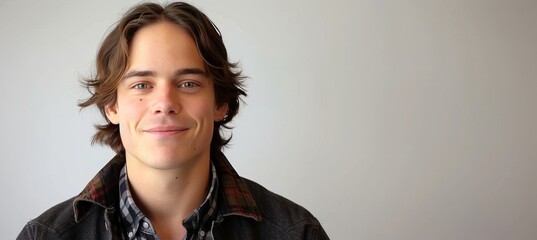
(245,210)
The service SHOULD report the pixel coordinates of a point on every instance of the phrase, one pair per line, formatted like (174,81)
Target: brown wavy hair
(113,55)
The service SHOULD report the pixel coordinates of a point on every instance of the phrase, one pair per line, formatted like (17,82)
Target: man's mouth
(165,130)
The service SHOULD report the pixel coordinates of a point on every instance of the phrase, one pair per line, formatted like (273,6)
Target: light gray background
(386,119)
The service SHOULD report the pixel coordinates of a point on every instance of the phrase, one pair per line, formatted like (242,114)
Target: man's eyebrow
(139,74)
(178,73)
(185,71)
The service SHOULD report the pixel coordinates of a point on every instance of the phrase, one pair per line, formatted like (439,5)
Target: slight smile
(165,130)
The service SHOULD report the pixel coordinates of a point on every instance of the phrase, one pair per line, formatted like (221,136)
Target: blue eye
(141,86)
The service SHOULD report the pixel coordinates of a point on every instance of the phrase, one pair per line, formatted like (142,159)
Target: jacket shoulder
(51,223)
(290,218)
(58,222)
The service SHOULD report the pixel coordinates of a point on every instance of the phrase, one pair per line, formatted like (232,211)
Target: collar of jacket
(103,190)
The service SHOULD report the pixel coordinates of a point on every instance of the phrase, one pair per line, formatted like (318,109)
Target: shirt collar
(132,217)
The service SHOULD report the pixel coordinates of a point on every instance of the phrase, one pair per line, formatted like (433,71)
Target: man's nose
(166,100)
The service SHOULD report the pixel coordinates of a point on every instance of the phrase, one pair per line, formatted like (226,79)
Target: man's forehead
(164,46)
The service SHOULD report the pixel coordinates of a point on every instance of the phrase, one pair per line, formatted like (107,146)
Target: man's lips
(165,130)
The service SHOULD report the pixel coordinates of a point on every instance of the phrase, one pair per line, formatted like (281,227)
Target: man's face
(165,102)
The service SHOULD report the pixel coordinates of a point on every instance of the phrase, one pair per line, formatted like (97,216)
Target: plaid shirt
(138,226)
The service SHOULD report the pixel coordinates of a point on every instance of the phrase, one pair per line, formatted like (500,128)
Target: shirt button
(130,234)
(202,233)
(145,225)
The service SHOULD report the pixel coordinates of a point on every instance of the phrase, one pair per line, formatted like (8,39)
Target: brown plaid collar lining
(235,197)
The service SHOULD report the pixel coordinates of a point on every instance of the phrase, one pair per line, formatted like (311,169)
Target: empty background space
(386,119)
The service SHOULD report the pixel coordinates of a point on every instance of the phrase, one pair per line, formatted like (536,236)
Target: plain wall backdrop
(386,119)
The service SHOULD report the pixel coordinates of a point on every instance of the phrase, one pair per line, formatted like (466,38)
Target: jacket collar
(235,196)
(103,190)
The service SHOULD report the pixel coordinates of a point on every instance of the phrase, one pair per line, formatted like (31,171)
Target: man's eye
(188,85)
(141,86)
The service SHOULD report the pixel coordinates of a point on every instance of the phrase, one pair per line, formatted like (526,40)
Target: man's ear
(111,113)
(220,112)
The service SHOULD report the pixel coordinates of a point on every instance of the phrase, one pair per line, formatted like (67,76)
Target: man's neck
(168,195)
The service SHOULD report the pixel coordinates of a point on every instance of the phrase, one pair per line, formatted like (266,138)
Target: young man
(165,87)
